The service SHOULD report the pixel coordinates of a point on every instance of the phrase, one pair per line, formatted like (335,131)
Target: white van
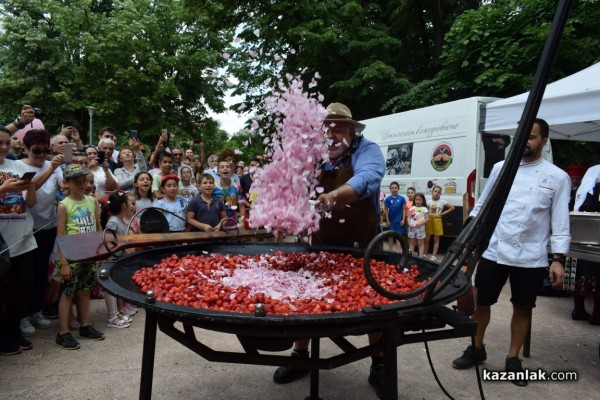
(440,145)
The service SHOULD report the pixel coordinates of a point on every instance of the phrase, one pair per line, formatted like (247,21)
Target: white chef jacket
(589,180)
(536,210)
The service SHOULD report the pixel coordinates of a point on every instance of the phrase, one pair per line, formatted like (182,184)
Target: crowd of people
(53,185)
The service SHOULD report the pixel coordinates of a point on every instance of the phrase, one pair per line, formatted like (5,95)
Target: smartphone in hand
(101,156)
(134,134)
(68,152)
(28,176)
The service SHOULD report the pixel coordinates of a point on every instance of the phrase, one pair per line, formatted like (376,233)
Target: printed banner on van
(399,159)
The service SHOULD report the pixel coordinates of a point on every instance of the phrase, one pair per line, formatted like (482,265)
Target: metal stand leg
(390,359)
(148,356)
(315,348)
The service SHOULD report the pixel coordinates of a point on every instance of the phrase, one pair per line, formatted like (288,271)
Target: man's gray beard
(337,152)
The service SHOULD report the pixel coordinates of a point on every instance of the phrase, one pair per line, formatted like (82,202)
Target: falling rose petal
(252,53)
(292,51)
(345,142)
(342,221)
(225,56)
(241,107)
(234,207)
(215,73)
(229,83)
(254,125)
(317,75)
(280,63)
(237,40)
(256,32)
(267,82)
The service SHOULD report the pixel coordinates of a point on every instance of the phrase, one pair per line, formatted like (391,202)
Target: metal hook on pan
(114,242)
(233,227)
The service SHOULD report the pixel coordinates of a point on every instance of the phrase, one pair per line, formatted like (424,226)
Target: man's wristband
(559,259)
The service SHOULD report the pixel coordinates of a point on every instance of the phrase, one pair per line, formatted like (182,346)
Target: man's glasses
(39,150)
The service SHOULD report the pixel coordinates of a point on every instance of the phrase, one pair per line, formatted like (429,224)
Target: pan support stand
(439,323)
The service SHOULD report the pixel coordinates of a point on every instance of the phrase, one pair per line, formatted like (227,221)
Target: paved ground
(110,369)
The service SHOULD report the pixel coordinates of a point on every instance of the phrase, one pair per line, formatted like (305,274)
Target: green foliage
(143,64)
(366,52)
(494,51)
(248,142)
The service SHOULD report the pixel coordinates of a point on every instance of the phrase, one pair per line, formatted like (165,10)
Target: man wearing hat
(351,181)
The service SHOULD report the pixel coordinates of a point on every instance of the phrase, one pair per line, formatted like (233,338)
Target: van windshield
(494,147)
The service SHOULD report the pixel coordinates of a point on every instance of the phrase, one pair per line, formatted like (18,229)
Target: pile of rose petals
(298,148)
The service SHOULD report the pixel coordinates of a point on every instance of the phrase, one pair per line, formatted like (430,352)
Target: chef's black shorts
(525,283)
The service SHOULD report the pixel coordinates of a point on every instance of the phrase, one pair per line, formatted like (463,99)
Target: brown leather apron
(358,222)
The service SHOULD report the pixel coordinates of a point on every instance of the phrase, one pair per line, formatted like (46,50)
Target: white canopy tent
(571,106)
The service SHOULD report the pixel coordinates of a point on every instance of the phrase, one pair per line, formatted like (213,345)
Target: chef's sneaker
(471,356)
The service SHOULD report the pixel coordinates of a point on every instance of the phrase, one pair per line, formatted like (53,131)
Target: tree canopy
(366,52)
(142,64)
(494,51)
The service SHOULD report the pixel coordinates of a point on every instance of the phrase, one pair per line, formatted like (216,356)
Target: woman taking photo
(103,178)
(132,161)
(47,184)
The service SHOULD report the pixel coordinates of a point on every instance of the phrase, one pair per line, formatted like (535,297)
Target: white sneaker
(39,321)
(26,328)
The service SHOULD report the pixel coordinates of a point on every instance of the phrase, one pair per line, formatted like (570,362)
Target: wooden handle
(92,246)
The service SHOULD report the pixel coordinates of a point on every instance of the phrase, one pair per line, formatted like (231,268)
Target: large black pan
(116,278)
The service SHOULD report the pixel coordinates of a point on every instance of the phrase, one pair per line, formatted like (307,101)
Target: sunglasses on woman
(39,150)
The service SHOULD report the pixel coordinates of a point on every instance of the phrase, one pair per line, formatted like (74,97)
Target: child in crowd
(165,163)
(114,212)
(417,217)
(394,213)
(76,214)
(90,186)
(186,174)
(437,208)
(171,201)
(134,223)
(410,196)
(205,211)
(228,192)
(143,192)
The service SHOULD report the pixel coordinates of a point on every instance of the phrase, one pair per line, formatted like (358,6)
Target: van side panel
(431,146)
